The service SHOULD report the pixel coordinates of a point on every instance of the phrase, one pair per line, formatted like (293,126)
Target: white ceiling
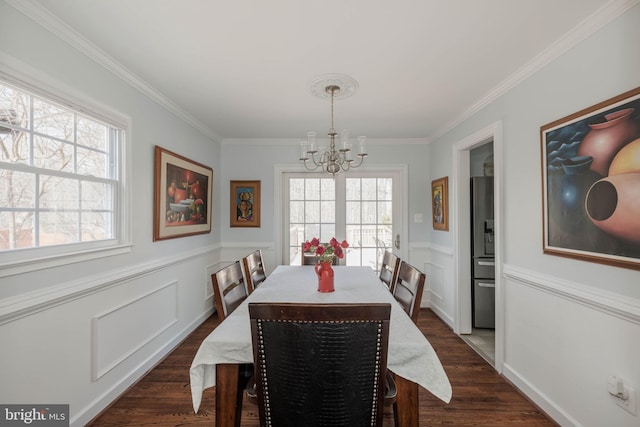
(241,68)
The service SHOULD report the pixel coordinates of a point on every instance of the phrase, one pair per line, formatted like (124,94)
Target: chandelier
(334,159)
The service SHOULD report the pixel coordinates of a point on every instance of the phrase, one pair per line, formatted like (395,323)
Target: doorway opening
(484,333)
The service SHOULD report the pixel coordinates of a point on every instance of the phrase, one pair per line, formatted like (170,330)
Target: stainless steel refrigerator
(482,252)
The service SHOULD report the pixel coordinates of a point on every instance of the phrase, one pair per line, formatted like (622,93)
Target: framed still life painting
(440,204)
(591,183)
(245,204)
(182,202)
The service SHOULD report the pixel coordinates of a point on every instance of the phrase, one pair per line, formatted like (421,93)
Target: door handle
(487,263)
(486,285)
(396,242)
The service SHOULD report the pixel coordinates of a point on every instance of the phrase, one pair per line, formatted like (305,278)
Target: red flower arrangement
(326,252)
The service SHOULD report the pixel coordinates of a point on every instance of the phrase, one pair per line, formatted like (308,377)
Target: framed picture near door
(245,203)
(440,204)
(591,183)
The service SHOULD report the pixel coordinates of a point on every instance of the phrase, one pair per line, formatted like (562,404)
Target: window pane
(16,145)
(327,231)
(57,228)
(369,212)
(312,189)
(328,212)
(384,188)
(353,188)
(354,235)
(369,189)
(353,256)
(353,212)
(384,236)
(92,163)
(92,134)
(311,231)
(312,211)
(58,193)
(328,189)
(369,257)
(52,154)
(296,189)
(96,196)
(16,230)
(16,189)
(52,120)
(95,226)
(14,107)
(296,212)
(384,212)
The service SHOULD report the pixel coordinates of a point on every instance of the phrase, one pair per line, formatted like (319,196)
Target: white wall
(569,324)
(82,333)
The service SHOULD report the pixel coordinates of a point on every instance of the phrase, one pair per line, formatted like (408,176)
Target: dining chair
(254,270)
(229,292)
(308,258)
(389,269)
(407,289)
(228,289)
(320,364)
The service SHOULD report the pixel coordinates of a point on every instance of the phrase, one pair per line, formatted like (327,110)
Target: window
(356,207)
(60,177)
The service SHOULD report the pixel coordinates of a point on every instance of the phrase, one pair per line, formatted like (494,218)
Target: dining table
(411,357)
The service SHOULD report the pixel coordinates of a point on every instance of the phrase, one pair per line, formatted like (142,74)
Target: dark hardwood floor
(480,395)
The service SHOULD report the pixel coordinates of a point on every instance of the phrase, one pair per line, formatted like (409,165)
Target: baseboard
(103,402)
(442,315)
(539,399)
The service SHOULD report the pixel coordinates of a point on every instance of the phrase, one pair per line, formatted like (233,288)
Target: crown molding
(586,28)
(296,141)
(59,28)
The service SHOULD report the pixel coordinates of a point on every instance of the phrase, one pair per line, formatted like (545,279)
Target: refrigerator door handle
(487,263)
(486,285)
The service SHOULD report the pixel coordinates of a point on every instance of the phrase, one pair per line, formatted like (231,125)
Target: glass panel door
(369,214)
(357,207)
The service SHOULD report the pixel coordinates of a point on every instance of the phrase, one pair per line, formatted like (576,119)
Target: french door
(362,208)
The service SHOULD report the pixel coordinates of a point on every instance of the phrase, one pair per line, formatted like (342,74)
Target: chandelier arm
(310,168)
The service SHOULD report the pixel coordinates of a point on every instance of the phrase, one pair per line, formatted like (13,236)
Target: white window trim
(33,259)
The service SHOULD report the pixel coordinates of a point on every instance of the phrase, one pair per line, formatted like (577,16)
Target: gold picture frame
(244,204)
(182,196)
(440,204)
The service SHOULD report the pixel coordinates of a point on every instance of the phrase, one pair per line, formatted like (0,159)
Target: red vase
(325,276)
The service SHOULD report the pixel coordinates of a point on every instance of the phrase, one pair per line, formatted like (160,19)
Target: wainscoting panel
(435,281)
(142,319)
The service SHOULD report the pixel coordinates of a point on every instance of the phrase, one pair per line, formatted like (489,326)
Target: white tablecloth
(410,354)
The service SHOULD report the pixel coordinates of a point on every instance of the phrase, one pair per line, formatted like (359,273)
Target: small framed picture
(182,202)
(245,204)
(440,204)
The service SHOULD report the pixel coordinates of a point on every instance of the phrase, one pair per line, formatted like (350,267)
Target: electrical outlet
(629,404)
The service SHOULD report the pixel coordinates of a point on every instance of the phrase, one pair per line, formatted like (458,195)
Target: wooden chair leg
(229,388)
(405,409)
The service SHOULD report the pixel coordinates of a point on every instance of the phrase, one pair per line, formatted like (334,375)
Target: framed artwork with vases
(591,183)
(182,196)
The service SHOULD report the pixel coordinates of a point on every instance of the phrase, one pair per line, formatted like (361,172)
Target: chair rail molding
(22,305)
(625,308)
